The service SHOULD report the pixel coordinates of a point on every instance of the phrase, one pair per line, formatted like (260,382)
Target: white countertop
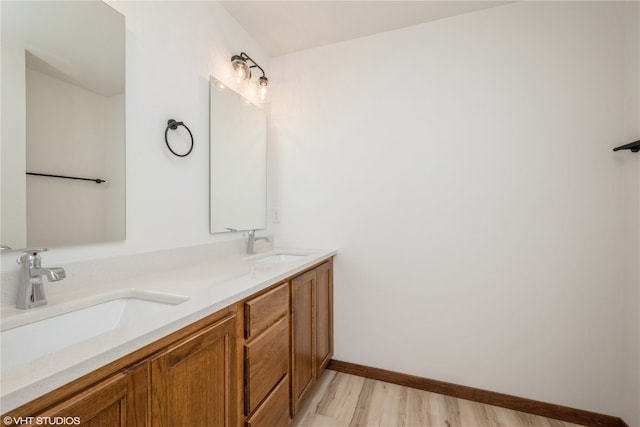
(209,287)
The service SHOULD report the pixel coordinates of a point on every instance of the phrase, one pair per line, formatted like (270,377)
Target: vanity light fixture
(242,71)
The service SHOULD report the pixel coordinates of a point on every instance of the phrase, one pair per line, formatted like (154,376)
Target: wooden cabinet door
(115,402)
(302,337)
(193,383)
(323,316)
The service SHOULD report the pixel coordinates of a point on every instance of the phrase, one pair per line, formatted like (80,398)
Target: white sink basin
(280,258)
(27,342)
(274,261)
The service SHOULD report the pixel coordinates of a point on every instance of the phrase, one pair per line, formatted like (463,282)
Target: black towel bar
(633,146)
(96,180)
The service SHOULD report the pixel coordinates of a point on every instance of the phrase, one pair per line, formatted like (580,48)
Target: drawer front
(263,311)
(274,412)
(266,362)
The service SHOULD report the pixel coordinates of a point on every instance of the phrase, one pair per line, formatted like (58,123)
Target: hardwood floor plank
(340,398)
(391,401)
(308,408)
(361,412)
(417,408)
(317,420)
(474,413)
(344,400)
(507,417)
(453,412)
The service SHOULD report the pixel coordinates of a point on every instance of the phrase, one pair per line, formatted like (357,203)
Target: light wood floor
(343,400)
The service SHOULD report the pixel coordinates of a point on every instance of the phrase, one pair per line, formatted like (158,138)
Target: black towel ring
(173,125)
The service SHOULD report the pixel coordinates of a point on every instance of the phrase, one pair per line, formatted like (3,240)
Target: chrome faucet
(251,241)
(30,287)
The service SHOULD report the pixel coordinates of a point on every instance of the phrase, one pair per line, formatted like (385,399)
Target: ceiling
(283,27)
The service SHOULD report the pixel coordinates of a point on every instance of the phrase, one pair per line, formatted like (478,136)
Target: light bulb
(263,82)
(240,68)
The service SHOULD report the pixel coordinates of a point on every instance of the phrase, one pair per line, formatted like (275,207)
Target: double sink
(26,338)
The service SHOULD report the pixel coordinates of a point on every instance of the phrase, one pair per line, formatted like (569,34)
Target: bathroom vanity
(250,361)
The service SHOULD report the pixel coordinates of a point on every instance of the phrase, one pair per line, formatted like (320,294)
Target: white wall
(171,50)
(463,169)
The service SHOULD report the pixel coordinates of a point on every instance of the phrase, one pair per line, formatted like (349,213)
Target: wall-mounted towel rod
(96,180)
(633,146)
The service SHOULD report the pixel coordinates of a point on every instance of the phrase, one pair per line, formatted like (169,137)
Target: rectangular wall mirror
(63,74)
(238,163)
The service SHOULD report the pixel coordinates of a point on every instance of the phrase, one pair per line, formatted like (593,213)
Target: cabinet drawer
(263,311)
(266,362)
(274,412)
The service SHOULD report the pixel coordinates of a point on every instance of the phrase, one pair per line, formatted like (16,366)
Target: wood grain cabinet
(266,359)
(118,401)
(192,382)
(302,337)
(274,412)
(323,315)
(312,329)
(188,378)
